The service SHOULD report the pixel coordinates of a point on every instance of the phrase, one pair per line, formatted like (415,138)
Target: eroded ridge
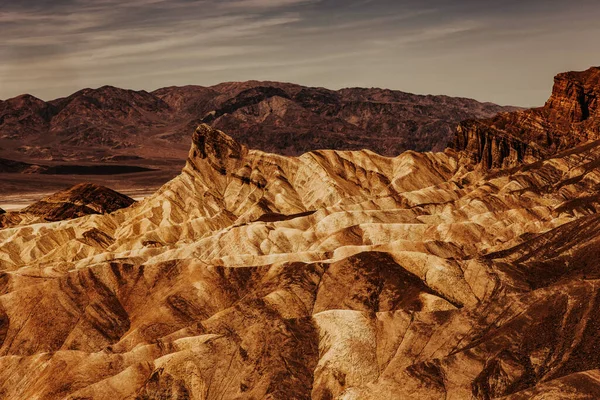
(330,275)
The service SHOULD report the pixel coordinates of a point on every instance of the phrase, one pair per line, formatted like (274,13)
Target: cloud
(49,47)
(262,4)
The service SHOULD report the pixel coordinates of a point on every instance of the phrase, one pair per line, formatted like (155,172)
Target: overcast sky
(504,51)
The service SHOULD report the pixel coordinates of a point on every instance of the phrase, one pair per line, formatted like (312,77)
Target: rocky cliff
(570,117)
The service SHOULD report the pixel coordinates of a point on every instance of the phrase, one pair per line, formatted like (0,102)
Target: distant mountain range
(95,125)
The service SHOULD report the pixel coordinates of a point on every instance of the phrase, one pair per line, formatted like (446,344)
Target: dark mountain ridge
(276,117)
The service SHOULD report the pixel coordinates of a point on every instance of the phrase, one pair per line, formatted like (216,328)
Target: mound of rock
(75,202)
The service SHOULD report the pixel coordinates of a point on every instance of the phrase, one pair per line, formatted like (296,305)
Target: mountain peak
(219,149)
(79,200)
(25,100)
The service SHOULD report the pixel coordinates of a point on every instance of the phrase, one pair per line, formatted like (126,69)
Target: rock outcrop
(570,117)
(75,202)
(335,274)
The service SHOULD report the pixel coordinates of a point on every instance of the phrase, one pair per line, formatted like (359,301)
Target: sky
(503,51)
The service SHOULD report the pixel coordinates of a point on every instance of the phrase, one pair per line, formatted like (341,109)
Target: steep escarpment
(570,117)
(494,148)
(575,98)
(334,274)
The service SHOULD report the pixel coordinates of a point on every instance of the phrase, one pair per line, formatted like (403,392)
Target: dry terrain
(329,275)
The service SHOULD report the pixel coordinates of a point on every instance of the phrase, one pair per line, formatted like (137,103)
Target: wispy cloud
(53,47)
(262,4)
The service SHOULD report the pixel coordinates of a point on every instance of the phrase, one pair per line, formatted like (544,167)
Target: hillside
(75,202)
(331,275)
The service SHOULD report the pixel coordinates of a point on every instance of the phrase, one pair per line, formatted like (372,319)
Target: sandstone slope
(334,274)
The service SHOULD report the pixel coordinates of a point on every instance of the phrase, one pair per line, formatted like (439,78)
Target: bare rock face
(75,202)
(494,148)
(216,148)
(82,199)
(575,97)
(332,275)
(569,118)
